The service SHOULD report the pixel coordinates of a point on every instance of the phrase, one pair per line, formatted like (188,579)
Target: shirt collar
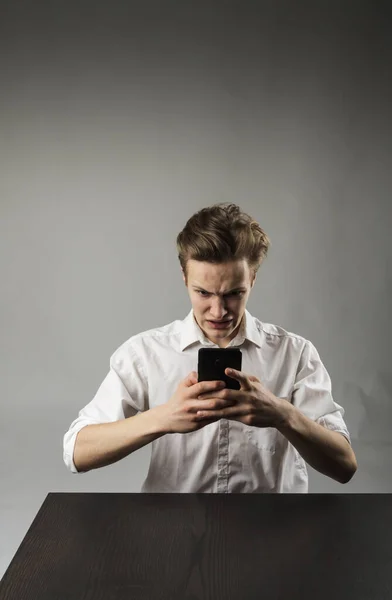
(191,332)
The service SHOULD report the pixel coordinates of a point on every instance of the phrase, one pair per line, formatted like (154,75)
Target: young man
(210,439)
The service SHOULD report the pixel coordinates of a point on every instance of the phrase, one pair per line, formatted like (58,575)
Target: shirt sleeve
(312,392)
(122,394)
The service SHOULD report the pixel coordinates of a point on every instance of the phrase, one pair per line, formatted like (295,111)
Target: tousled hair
(222,233)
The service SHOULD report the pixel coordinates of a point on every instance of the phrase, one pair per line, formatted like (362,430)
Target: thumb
(191,379)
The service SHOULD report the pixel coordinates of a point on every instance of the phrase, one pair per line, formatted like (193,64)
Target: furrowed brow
(237,289)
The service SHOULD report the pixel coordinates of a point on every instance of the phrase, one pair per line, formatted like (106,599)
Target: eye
(205,294)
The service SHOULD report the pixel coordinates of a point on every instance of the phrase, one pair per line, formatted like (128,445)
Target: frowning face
(219,294)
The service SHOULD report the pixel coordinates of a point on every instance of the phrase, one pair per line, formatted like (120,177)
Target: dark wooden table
(112,546)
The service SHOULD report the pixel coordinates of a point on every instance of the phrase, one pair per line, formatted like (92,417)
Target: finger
(222,413)
(235,374)
(243,378)
(223,400)
(207,406)
(230,373)
(226,394)
(210,387)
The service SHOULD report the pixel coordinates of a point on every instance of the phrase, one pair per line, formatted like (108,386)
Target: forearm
(326,451)
(103,444)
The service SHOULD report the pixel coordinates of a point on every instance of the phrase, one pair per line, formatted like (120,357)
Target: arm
(103,444)
(327,451)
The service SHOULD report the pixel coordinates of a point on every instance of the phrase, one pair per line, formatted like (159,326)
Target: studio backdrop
(119,120)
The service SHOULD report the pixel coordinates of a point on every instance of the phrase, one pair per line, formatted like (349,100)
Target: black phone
(212,363)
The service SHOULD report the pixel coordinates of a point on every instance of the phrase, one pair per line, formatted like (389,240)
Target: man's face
(219,293)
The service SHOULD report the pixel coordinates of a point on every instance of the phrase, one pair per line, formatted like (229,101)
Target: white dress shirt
(225,456)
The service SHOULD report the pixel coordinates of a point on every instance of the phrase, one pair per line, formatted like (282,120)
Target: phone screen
(212,363)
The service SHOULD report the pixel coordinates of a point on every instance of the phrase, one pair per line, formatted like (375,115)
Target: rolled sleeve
(335,422)
(117,398)
(312,392)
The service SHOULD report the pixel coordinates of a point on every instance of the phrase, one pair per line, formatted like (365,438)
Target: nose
(218,311)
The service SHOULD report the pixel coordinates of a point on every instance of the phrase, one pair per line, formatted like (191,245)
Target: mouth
(220,323)
(228,321)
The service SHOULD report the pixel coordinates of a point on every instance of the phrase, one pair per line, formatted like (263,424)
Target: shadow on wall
(368,408)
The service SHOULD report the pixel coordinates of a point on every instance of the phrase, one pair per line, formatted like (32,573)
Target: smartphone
(212,363)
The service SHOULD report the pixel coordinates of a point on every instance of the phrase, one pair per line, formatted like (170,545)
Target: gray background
(118,122)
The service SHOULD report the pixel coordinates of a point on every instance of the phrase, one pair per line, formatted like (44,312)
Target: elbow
(77,466)
(349,471)
(73,456)
(72,465)
(77,470)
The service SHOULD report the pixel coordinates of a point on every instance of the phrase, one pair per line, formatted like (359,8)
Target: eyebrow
(237,289)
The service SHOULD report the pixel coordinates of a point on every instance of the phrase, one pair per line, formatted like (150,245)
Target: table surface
(112,546)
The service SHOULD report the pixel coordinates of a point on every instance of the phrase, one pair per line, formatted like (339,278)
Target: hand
(178,415)
(253,404)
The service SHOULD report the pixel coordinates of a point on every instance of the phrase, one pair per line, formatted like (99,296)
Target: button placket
(223,457)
